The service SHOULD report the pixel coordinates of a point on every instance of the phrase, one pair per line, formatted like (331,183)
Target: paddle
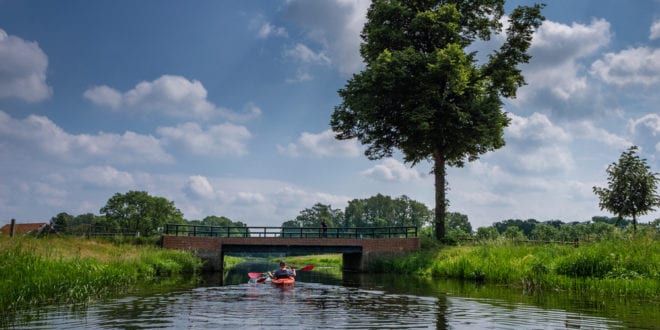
(254,274)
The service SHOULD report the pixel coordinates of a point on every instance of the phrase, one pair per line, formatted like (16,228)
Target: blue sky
(223,107)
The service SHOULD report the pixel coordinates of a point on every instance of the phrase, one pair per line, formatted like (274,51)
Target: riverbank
(627,267)
(40,271)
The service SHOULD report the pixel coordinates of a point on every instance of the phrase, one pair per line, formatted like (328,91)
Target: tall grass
(68,270)
(628,267)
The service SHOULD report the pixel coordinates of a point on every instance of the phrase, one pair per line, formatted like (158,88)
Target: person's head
(282,264)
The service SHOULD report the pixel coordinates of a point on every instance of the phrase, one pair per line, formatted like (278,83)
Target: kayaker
(284,271)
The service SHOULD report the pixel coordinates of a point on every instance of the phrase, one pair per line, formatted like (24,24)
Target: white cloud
(587,130)
(655,30)
(39,134)
(302,53)
(323,144)
(536,128)
(104,96)
(223,139)
(638,66)
(646,133)
(174,96)
(536,145)
(106,176)
(555,76)
(199,186)
(392,170)
(302,75)
(335,25)
(266,30)
(23,67)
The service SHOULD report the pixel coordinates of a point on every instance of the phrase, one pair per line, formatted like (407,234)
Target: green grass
(618,267)
(71,270)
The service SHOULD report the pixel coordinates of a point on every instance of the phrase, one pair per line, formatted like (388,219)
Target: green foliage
(631,187)
(455,220)
(487,233)
(137,211)
(379,210)
(626,266)
(29,278)
(423,93)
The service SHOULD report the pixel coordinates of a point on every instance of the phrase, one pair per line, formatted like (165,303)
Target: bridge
(358,246)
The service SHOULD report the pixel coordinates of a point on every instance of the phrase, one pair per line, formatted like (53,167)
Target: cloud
(323,144)
(106,176)
(635,66)
(392,170)
(23,67)
(587,130)
(645,131)
(199,187)
(302,75)
(216,140)
(334,25)
(37,136)
(104,96)
(302,53)
(173,96)
(655,30)
(556,78)
(535,145)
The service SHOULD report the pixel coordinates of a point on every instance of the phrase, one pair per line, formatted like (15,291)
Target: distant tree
(631,187)
(380,210)
(138,211)
(655,224)
(487,233)
(312,217)
(424,93)
(573,232)
(61,222)
(455,220)
(544,232)
(526,226)
(611,220)
(514,233)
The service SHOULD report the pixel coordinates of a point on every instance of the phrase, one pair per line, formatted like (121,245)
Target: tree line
(137,212)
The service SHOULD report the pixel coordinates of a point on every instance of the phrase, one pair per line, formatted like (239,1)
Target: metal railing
(291,232)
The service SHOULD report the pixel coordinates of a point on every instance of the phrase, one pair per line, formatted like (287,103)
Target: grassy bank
(70,270)
(621,267)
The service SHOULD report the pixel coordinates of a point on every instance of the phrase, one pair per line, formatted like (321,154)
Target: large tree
(137,211)
(381,211)
(631,187)
(422,92)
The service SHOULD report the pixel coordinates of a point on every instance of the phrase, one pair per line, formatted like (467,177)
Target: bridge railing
(288,232)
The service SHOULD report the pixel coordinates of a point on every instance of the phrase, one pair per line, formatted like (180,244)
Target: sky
(223,107)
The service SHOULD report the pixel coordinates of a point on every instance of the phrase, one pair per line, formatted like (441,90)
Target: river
(324,298)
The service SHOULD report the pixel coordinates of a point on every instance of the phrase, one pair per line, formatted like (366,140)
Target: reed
(626,266)
(72,270)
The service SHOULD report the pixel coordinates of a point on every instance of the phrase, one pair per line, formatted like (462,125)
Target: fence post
(11,227)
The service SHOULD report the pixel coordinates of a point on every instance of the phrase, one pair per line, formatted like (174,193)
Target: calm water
(320,300)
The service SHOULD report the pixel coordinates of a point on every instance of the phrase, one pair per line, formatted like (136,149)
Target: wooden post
(11,227)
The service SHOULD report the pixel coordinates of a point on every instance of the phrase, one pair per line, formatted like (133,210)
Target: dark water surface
(321,299)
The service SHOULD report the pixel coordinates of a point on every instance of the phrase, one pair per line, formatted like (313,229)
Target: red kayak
(283,280)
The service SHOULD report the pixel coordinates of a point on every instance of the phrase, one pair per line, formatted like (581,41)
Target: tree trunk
(440,200)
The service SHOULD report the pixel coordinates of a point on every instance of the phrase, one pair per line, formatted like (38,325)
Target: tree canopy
(423,93)
(138,211)
(631,187)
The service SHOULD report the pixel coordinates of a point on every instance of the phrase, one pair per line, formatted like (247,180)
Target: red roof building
(23,228)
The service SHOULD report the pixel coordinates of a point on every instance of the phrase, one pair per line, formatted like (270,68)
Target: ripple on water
(307,306)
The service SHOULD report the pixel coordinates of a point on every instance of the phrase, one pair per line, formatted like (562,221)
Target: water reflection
(331,300)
